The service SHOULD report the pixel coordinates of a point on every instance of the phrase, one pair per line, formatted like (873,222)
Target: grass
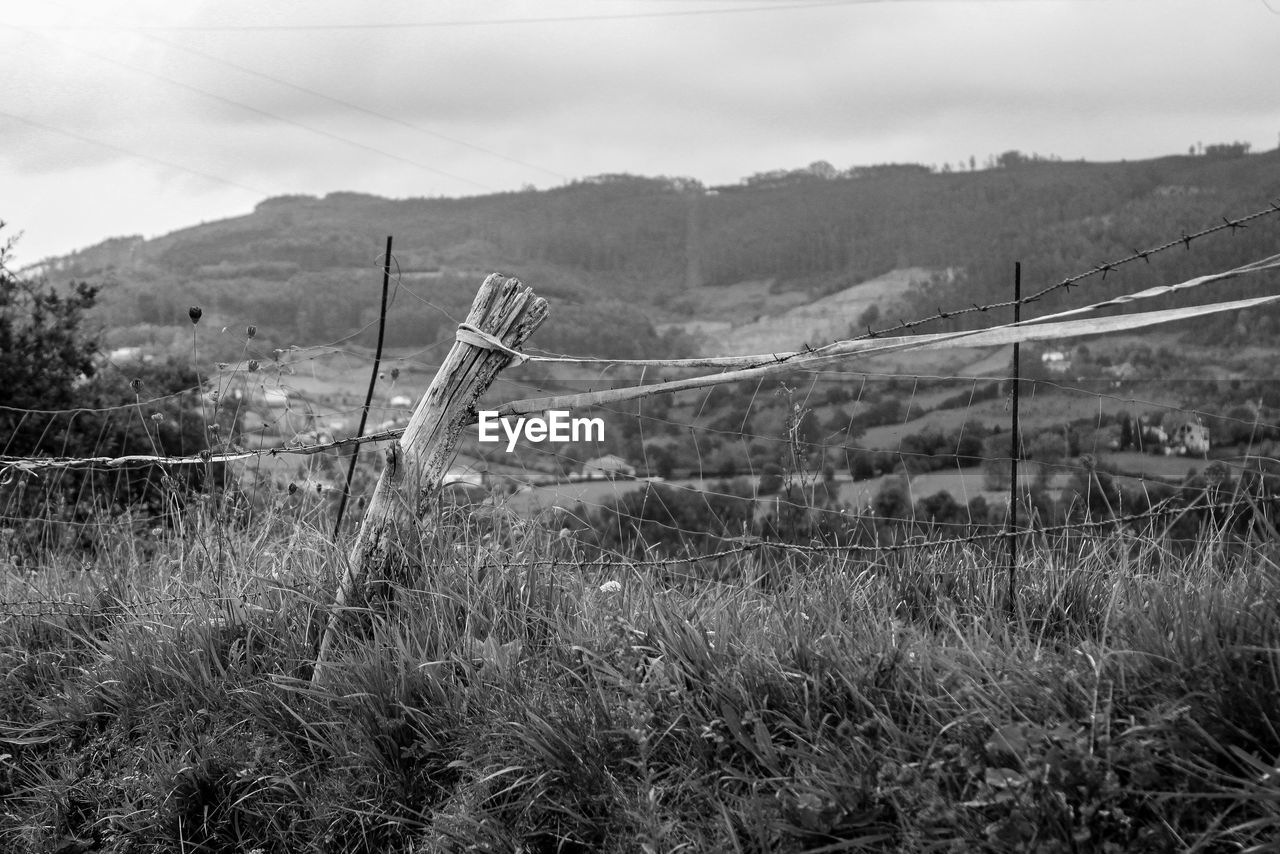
(504,696)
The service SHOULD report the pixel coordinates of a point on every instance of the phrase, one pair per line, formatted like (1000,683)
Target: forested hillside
(619,251)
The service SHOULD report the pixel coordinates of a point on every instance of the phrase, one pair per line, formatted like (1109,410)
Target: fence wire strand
(809,371)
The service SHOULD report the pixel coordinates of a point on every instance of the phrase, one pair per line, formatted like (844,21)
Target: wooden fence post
(502,317)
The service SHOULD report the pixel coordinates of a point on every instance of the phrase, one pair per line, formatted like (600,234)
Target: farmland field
(886,701)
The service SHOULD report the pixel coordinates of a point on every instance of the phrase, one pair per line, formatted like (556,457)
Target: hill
(616,254)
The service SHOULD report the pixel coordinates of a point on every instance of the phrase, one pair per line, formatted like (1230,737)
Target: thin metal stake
(373,381)
(1015,450)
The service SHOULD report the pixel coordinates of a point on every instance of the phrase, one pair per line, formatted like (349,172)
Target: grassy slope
(829,705)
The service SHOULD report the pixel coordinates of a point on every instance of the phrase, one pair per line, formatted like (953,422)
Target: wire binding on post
(469,334)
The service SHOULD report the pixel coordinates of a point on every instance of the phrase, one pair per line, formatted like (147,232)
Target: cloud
(715,97)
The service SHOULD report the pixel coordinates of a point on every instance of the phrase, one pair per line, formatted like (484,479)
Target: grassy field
(1151,465)
(1047,408)
(963,484)
(509,694)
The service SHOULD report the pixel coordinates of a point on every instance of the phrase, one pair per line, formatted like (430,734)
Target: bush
(62,403)
(44,353)
(674,517)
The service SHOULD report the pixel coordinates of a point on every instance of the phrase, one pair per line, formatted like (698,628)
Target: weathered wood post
(502,317)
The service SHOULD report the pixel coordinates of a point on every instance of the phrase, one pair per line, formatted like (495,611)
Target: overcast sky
(144,117)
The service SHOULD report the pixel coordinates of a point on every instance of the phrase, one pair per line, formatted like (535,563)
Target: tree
(968,443)
(59,402)
(836,394)
(770,479)
(1049,446)
(893,501)
(727,460)
(43,353)
(838,422)
(823,169)
(1011,159)
(676,518)
(941,508)
(661,461)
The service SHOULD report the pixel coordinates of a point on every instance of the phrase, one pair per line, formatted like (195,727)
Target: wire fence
(875,445)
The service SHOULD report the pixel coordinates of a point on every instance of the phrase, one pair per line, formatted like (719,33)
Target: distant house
(1055,361)
(123,355)
(1191,437)
(401,401)
(610,466)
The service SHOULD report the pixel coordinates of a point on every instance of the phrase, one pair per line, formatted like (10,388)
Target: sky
(143,117)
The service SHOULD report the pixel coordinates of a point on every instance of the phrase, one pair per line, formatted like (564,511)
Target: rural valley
(805,610)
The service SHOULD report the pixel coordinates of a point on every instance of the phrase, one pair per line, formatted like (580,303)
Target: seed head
(194,313)
(136,385)
(253,365)
(251,331)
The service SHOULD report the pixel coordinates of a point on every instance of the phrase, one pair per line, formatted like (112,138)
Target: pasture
(512,692)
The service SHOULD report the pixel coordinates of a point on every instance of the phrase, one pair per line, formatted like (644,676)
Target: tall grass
(510,695)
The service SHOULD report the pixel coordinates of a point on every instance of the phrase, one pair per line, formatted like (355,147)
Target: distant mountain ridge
(617,254)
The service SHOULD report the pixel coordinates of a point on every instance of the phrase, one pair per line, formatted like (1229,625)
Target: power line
(267,114)
(344,103)
(493,22)
(351,106)
(420,25)
(131,153)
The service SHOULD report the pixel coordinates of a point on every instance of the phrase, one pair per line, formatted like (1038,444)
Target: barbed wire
(860,346)
(772,360)
(1102,269)
(13,466)
(29,464)
(805,355)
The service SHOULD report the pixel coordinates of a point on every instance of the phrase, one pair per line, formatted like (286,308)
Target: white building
(1055,361)
(610,466)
